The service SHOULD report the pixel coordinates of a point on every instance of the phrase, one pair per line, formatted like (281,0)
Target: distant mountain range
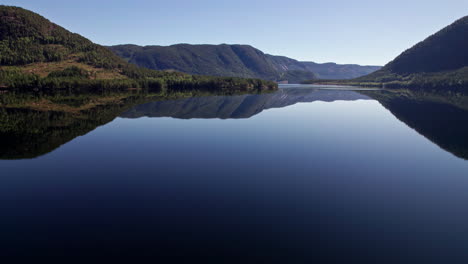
(440,61)
(234,60)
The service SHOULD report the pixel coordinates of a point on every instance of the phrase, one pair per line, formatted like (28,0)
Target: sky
(343,31)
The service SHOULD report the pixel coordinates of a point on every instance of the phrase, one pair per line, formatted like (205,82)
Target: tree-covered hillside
(36,53)
(26,37)
(446,50)
(439,62)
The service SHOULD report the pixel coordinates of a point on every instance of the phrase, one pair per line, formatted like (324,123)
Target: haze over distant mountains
(235,60)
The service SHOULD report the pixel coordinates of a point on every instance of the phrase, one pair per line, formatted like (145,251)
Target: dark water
(304,175)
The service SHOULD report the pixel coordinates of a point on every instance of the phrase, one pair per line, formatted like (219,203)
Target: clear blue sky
(343,31)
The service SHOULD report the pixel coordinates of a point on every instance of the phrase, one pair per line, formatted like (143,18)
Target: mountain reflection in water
(27,133)
(441,119)
(240,106)
(302,175)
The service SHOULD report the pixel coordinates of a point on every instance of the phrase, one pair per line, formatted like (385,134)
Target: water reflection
(442,118)
(345,181)
(29,133)
(240,106)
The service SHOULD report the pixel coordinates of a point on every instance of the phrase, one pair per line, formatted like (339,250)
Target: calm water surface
(301,175)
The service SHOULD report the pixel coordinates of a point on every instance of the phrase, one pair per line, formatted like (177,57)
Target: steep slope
(27,38)
(233,60)
(441,60)
(446,50)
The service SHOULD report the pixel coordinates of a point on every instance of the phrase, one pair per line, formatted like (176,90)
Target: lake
(307,173)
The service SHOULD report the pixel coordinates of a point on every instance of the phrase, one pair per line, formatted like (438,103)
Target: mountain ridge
(236,60)
(438,62)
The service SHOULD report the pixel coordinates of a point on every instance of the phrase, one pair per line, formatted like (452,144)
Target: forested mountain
(439,61)
(36,53)
(234,60)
